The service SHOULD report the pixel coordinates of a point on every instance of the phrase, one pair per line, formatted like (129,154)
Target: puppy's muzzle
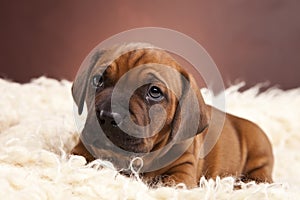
(110,124)
(109,120)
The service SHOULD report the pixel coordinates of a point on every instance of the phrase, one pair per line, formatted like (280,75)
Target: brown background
(251,40)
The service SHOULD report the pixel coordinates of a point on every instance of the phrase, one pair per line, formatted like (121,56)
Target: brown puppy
(241,149)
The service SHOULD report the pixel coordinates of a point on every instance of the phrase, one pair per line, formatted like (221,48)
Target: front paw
(172,181)
(80,150)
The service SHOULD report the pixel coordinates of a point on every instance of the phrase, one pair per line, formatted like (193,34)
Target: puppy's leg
(259,163)
(260,175)
(259,169)
(184,170)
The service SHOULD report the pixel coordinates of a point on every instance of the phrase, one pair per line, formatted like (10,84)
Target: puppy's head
(141,99)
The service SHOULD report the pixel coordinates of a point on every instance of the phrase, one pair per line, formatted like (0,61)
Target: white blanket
(37,132)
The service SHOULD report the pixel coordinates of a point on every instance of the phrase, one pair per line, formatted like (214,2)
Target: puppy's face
(134,99)
(143,72)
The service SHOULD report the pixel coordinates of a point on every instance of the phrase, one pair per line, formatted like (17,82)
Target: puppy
(162,118)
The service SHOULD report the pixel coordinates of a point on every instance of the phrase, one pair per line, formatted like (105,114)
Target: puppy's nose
(109,118)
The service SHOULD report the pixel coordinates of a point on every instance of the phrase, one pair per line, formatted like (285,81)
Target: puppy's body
(242,149)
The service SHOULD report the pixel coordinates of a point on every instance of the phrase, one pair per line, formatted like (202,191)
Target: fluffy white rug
(37,132)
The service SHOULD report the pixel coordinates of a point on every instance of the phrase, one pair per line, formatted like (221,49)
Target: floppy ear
(191,115)
(81,83)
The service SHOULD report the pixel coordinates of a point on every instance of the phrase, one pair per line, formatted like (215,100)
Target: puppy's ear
(192,114)
(81,83)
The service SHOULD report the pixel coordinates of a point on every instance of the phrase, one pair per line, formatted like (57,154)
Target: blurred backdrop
(249,40)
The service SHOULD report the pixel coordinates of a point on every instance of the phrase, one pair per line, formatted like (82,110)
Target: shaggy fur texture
(37,132)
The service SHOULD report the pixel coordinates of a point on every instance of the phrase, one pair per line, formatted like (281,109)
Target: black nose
(109,119)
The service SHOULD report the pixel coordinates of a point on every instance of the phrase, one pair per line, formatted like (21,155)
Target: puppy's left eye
(155,93)
(97,81)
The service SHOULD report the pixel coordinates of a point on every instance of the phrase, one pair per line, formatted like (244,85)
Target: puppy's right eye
(97,81)
(155,93)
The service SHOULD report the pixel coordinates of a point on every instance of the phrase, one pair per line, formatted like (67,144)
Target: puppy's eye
(97,81)
(155,93)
